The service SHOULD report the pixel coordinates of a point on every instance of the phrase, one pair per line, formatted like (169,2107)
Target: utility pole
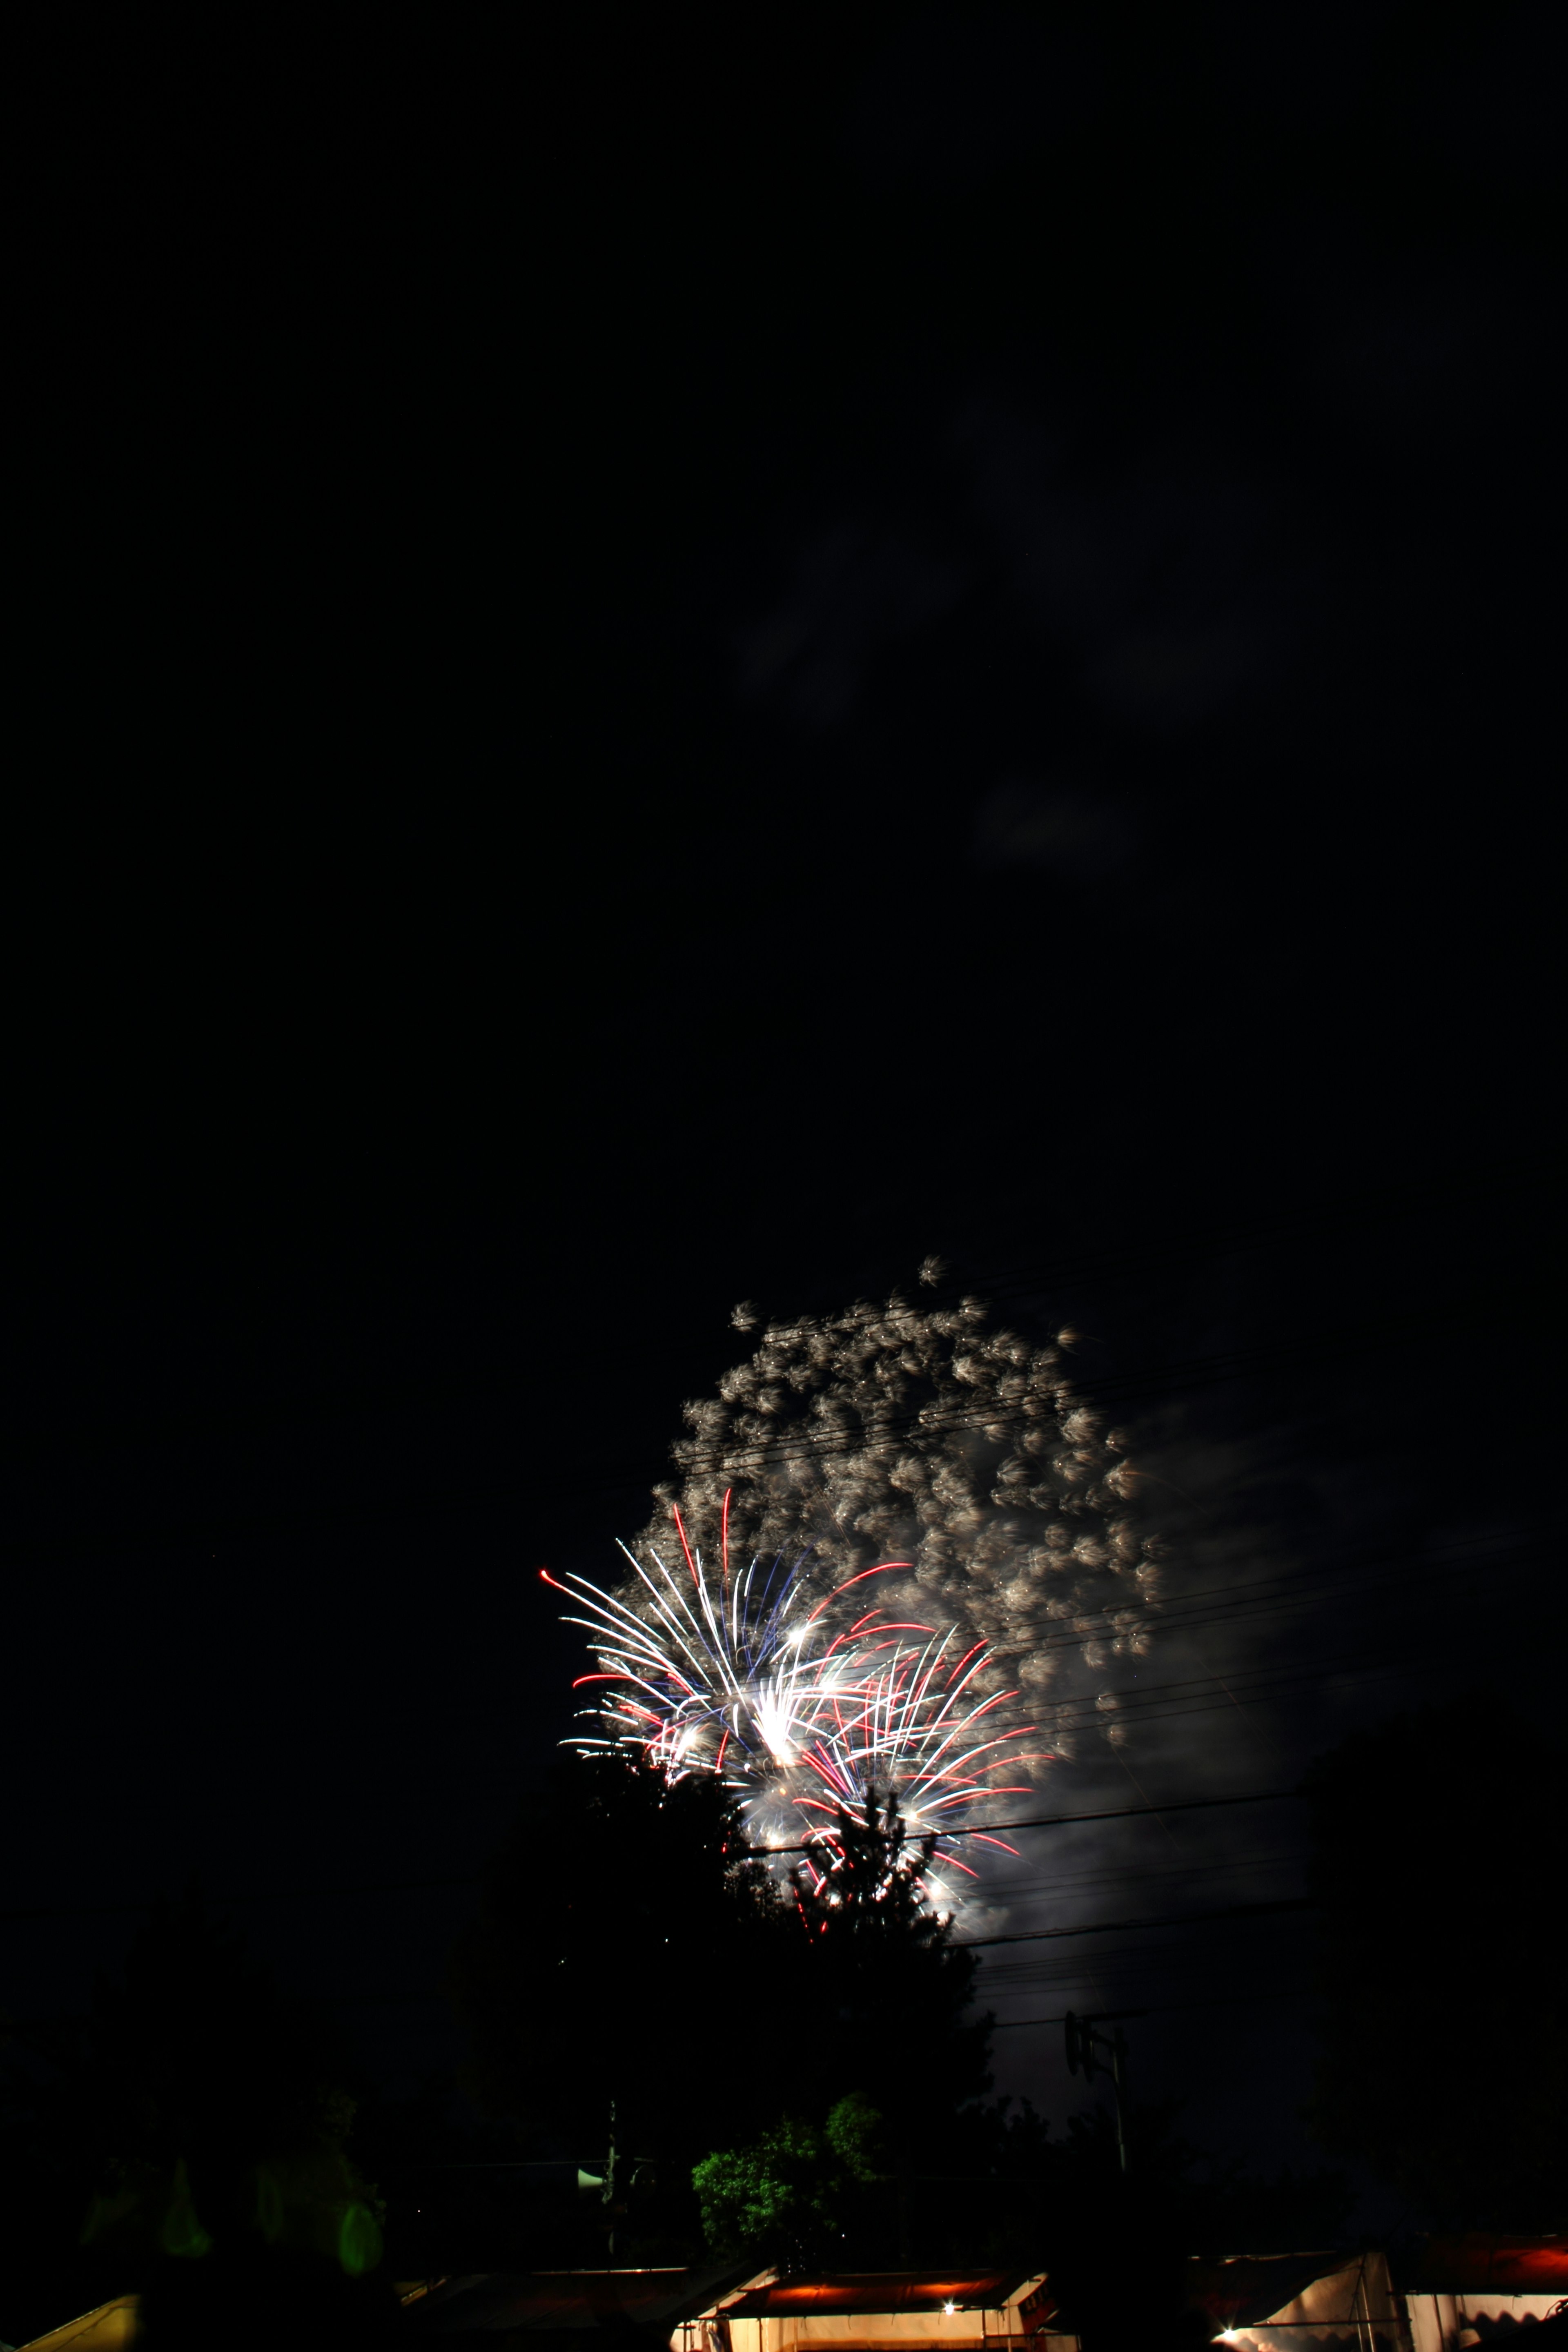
(608,2194)
(1083,2043)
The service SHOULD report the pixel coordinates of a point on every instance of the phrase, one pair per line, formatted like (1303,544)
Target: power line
(798,1445)
(1113,1926)
(478,1878)
(1010,1891)
(1164,2007)
(1060,1820)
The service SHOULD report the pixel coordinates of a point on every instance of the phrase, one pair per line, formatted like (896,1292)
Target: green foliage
(358,2245)
(854,2132)
(1444,2052)
(150,2204)
(627,1953)
(789,2190)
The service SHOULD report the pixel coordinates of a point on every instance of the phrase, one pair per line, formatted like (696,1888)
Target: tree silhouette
(624,1954)
(881,1983)
(629,1952)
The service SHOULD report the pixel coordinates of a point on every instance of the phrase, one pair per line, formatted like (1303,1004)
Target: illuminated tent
(741,2309)
(1471,2294)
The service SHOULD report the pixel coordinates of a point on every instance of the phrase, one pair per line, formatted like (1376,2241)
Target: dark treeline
(673,2057)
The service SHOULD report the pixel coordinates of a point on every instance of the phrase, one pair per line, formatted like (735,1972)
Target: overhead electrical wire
(478,1878)
(803,1441)
(1280,1591)
(1007,1891)
(1060,1820)
(1161,2008)
(1118,1927)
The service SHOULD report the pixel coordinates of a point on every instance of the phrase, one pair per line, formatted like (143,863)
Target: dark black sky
(682,661)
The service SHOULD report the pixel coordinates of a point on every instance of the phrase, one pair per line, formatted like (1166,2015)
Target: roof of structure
(567,2304)
(1243,2289)
(105,2329)
(1479,2263)
(824,2292)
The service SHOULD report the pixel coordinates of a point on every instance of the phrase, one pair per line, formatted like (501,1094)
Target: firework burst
(951,1462)
(803,1702)
(924,1435)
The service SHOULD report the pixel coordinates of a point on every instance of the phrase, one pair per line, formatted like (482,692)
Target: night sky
(679,661)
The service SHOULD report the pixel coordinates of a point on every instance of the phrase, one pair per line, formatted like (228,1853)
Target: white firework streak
(733,1676)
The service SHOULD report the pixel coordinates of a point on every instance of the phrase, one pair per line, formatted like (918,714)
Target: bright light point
(949,2308)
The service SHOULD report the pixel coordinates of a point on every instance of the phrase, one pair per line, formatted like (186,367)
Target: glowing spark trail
(933,1528)
(926,1436)
(743,1681)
